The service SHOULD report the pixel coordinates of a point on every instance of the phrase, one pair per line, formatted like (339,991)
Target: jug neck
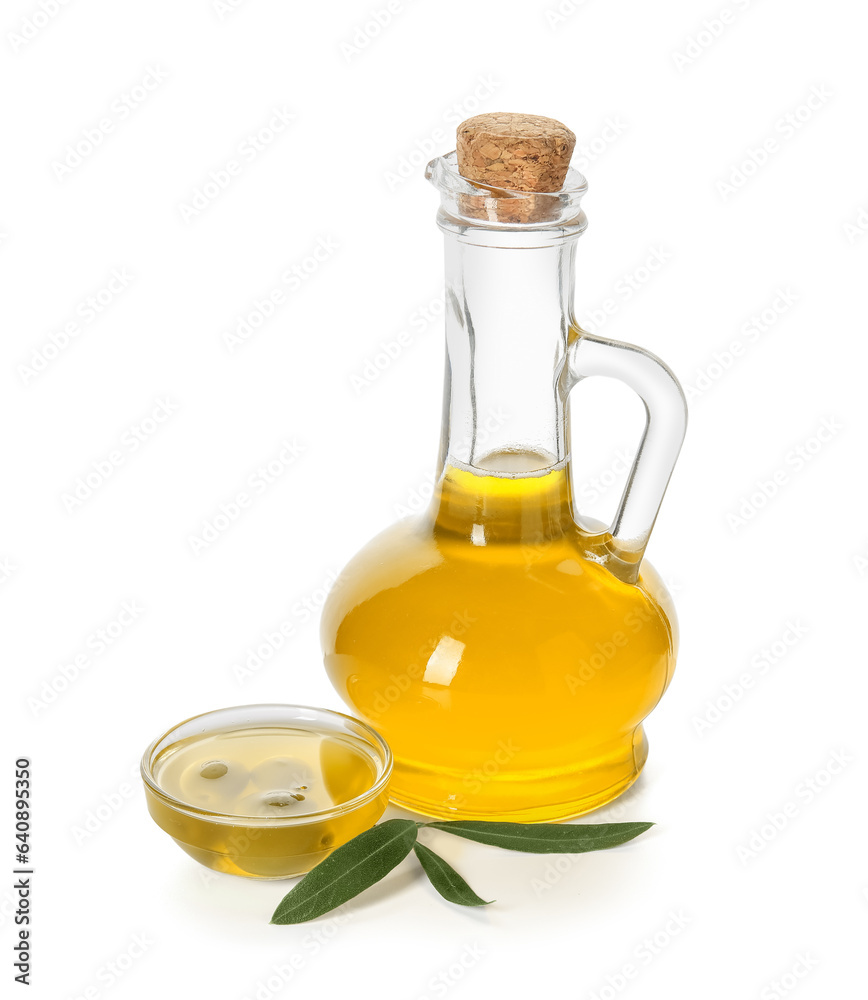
(504,461)
(508,319)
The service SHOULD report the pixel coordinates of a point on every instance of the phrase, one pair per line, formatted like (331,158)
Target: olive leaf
(544,838)
(364,860)
(347,871)
(446,880)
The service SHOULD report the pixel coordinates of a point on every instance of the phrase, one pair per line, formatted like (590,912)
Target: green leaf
(352,868)
(545,838)
(446,880)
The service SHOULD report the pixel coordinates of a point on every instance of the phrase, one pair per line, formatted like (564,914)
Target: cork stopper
(519,152)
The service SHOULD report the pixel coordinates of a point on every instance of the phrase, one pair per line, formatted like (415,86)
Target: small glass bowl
(268,847)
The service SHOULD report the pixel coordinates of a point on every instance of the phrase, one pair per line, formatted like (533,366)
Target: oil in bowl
(266,791)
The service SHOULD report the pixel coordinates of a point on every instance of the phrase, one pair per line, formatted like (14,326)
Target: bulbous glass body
(510,678)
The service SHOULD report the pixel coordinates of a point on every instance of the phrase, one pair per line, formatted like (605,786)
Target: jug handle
(622,545)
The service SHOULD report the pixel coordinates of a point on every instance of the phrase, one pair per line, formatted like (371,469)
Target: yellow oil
(275,780)
(508,669)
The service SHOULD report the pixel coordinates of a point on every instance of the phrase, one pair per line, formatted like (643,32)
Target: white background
(689,103)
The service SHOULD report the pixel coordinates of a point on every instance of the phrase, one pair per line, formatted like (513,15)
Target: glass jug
(507,652)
